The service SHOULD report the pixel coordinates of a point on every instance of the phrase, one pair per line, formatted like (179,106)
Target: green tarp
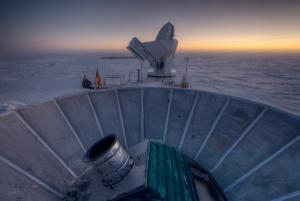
(168,178)
(168,173)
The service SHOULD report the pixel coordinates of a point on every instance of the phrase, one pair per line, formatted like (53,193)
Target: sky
(102,25)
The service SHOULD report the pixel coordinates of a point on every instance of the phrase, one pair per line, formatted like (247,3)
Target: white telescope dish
(159,53)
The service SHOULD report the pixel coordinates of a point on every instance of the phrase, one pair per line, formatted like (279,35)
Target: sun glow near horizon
(214,44)
(207,41)
(240,43)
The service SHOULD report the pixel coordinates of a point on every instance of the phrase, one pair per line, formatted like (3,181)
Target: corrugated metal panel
(169,174)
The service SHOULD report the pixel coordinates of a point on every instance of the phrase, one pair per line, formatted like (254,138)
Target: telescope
(159,53)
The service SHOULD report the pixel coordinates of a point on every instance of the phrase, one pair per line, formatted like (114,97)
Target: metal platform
(153,73)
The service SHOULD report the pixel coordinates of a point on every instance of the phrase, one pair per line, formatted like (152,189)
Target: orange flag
(99,83)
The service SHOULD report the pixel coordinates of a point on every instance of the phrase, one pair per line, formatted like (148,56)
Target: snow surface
(273,79)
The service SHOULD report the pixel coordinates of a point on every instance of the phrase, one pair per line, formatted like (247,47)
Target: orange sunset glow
(242,43)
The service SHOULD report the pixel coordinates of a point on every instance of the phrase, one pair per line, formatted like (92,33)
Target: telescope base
(152,73)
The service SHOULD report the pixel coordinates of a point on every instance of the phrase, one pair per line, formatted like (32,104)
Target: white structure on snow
(159,53)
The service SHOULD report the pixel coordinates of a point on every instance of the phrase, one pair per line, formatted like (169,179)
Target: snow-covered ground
(273,79)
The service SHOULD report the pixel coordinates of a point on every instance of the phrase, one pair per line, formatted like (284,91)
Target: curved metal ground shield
(251,150)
